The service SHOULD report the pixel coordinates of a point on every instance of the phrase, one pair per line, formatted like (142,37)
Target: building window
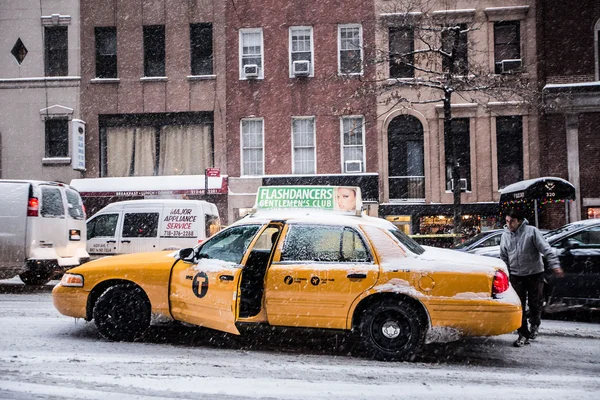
(252,147)
(350,49)
(251,53)
(461,56)
(509,145)
(201,47)
(57,138)
(401,48)
(406,158)
(106,52)
(168,149)
(154,50)
(56,46)
(507,46)
(353,145)
(301,50)
(303,143)
(458,144)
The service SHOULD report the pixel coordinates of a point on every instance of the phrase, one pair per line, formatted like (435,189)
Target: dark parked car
(481,240)
(578,248)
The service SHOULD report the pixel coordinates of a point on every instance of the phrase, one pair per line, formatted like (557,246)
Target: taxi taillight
(500,283)
(33,207)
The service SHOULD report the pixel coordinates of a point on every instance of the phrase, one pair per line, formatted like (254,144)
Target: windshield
(407,242)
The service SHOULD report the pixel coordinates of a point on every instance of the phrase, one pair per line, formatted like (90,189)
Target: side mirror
(187,255)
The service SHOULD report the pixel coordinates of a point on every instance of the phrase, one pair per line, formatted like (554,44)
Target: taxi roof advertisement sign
(334,198)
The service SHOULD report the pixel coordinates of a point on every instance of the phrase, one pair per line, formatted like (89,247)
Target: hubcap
(391,329)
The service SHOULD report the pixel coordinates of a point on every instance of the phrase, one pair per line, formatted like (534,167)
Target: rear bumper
(70,301)
(483,317)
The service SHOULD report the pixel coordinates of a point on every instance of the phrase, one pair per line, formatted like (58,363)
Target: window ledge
(154,79)
(350,75)
(56,160)
(201,77)
(105,80)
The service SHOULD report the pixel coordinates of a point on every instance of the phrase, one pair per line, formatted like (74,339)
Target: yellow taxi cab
(306,258)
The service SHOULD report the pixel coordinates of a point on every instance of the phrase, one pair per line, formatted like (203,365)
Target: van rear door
(50,229)
(13,223)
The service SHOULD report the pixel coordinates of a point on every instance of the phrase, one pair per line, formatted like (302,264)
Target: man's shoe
(534,332)
(521,341)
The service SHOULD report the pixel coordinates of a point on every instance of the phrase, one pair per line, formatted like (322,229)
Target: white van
(42,230)
(134,226)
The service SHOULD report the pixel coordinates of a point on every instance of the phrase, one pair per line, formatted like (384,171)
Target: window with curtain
(509,145)
(401,48)
(159,150)
(353,144)
(458,144)
(252,147)
(350,49)
(251,50)
(303,142)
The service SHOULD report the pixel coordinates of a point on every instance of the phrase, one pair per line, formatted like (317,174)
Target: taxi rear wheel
(392,331)
(122,313)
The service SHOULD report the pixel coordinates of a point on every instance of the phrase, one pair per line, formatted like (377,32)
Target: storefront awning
(135,186)
(541,189)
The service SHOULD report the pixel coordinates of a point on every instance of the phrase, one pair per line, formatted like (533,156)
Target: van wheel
(122,313)
(36,276)
(391,331)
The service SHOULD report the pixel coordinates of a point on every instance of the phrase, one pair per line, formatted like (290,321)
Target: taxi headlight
(72,280)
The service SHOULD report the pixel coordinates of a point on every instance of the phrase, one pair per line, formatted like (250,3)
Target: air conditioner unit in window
(507,66)
(353,166)
(301,68)
(463,184)
(251,71)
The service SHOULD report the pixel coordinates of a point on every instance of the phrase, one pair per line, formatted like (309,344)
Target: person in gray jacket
(521,248)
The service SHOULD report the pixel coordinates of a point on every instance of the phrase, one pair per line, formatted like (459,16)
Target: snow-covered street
(46,355)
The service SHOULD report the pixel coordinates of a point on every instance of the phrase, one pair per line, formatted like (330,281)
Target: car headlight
(72,280)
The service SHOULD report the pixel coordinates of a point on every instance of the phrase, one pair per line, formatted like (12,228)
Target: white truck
(134,226)
(42,230)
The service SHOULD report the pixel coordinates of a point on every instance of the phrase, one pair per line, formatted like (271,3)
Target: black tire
(392,330)
(36,276)
(122,313)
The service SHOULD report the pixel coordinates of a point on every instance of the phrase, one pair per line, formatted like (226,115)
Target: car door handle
(226,277)
(111,241)
(356,276)
(125,241)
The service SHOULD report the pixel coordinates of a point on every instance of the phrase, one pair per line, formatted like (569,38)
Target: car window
(492,241)
(102,226)
(229,245)
(324,244)
(407,242)
(75,204)
(140,225)
(52,203)
(588,237)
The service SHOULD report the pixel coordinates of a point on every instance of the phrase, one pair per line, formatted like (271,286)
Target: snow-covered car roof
(315,216)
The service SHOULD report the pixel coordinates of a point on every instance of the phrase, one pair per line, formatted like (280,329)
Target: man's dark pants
(529,287)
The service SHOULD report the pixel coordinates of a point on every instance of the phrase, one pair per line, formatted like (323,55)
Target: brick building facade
(569,77)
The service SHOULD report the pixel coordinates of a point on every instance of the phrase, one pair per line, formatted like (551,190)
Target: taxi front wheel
(122,313)
(391,331)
